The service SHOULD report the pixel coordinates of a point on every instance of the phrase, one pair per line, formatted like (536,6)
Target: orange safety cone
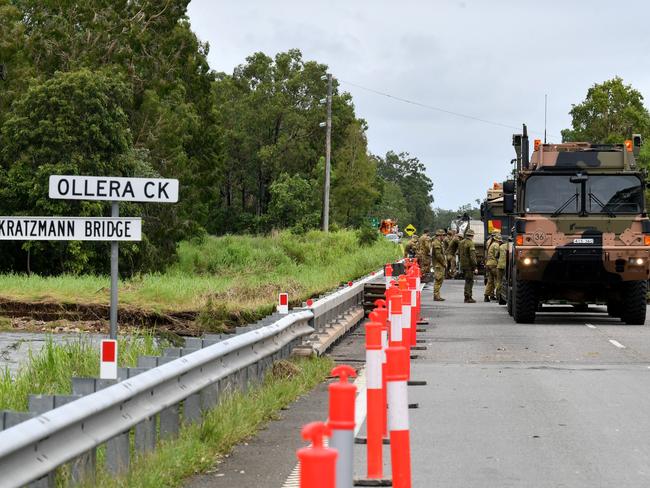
(341,421)
(317,463)
(374,400)
(398,416)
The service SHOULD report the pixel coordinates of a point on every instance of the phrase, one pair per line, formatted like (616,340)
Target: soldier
(468,263)
(410,250)
(452,250)
(501,270)
(491,267)
(439,264)
(424,255)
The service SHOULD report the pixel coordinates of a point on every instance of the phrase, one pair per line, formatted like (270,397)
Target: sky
(490,59)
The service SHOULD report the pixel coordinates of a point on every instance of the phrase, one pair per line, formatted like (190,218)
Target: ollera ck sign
(113,189)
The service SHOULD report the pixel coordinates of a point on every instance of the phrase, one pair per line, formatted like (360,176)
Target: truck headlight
(527,261)
(637,261)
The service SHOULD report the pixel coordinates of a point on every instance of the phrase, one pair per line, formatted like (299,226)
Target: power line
(431,107)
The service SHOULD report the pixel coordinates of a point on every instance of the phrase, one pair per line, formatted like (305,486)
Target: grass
(49,371)
(238,274)
(237,418)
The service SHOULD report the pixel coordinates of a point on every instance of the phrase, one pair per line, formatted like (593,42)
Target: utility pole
(328,151)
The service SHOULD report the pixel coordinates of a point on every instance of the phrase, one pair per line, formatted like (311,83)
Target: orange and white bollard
(374,400)
(341,421)
(406,312)
(415,308)
(398,416)
(317,463)
(380,314)
(388,274)
(394,318)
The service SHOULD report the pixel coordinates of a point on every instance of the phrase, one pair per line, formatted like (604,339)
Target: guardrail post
(145,435)
(118,450)
(169,422)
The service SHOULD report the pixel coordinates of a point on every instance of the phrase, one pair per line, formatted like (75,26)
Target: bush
(367,236)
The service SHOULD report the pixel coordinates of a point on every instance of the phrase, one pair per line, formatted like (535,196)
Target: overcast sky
(490,59)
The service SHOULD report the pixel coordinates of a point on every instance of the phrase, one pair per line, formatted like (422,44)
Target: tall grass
(49,371)
(241,273)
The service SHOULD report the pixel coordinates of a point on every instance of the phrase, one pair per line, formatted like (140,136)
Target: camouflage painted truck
(581,233)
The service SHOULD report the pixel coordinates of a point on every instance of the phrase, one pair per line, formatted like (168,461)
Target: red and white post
(388,274)
(398,416)
(374,400)
(283,303)
(341,421)
(108,359)
(395,318)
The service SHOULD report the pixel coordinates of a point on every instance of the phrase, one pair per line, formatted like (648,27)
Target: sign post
(115,190)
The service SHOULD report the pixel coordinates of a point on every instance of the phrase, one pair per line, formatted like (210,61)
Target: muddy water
(16,346)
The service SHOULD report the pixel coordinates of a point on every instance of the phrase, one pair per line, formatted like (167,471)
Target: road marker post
(415,311)
(407,310)
(374,400)
(317,462)
(108,359)
(341,421)
(380,314)
(395,317)
(283,303)
(388,274)
(398,416)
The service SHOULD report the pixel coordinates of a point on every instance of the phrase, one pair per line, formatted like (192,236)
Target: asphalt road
(564,402)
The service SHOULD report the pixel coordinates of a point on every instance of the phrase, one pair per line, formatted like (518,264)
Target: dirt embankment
(53,315)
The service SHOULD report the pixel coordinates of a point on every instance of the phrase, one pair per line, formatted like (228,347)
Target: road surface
(563,402)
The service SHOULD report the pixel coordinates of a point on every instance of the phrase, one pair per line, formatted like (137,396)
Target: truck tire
(634,302)
(525,302)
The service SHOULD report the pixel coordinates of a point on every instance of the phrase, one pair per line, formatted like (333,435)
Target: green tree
(353,188)
(73,123)
(292,203)
(410,175)
(392,204)
(610,113)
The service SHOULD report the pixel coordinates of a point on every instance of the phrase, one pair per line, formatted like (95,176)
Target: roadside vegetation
(49,371)
(223,277)
(237,418)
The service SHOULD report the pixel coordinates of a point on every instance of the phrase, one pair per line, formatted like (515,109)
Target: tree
(292,203)
(610,113)
(74,123)
(410,175)
(353,191)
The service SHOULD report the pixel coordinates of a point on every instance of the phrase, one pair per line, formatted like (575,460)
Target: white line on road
(617,344)
(591,326)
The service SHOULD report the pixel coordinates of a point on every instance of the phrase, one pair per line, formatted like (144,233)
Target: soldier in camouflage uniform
(410,250)
(439,264)
(424,256)
(491,267)
(452,250)
(468,263)
(501,270)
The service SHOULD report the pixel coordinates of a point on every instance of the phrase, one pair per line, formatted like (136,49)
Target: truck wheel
(525,304)
(634,302)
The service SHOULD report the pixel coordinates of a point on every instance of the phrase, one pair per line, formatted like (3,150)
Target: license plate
(583,241)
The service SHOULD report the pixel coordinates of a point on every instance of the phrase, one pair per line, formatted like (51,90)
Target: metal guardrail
(33,449)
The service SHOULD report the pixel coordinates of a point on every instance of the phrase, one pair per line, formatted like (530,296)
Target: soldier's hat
(440,232)
(469,233)
(495,233)
(497,237)
(450,232)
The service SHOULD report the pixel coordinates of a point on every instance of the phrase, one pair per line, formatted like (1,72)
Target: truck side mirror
(508,187)
(483,211)
(508,203)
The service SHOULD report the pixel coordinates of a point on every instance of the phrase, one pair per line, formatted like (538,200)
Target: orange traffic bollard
(398,416)
(341,421)
(415,308)
(407,310)
(317,463)
(380,315)
(374,400)
(395,317)
(388,273)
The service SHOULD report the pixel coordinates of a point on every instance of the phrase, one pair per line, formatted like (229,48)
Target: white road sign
(113,189)
(70,229)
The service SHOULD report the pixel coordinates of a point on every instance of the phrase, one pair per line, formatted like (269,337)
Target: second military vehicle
(581,233)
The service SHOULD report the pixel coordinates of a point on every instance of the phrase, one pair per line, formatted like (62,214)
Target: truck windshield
(548,193)
(614,194)
(608,194)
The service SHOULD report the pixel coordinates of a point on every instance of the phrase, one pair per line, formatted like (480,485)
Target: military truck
(581,233)
(492,214)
